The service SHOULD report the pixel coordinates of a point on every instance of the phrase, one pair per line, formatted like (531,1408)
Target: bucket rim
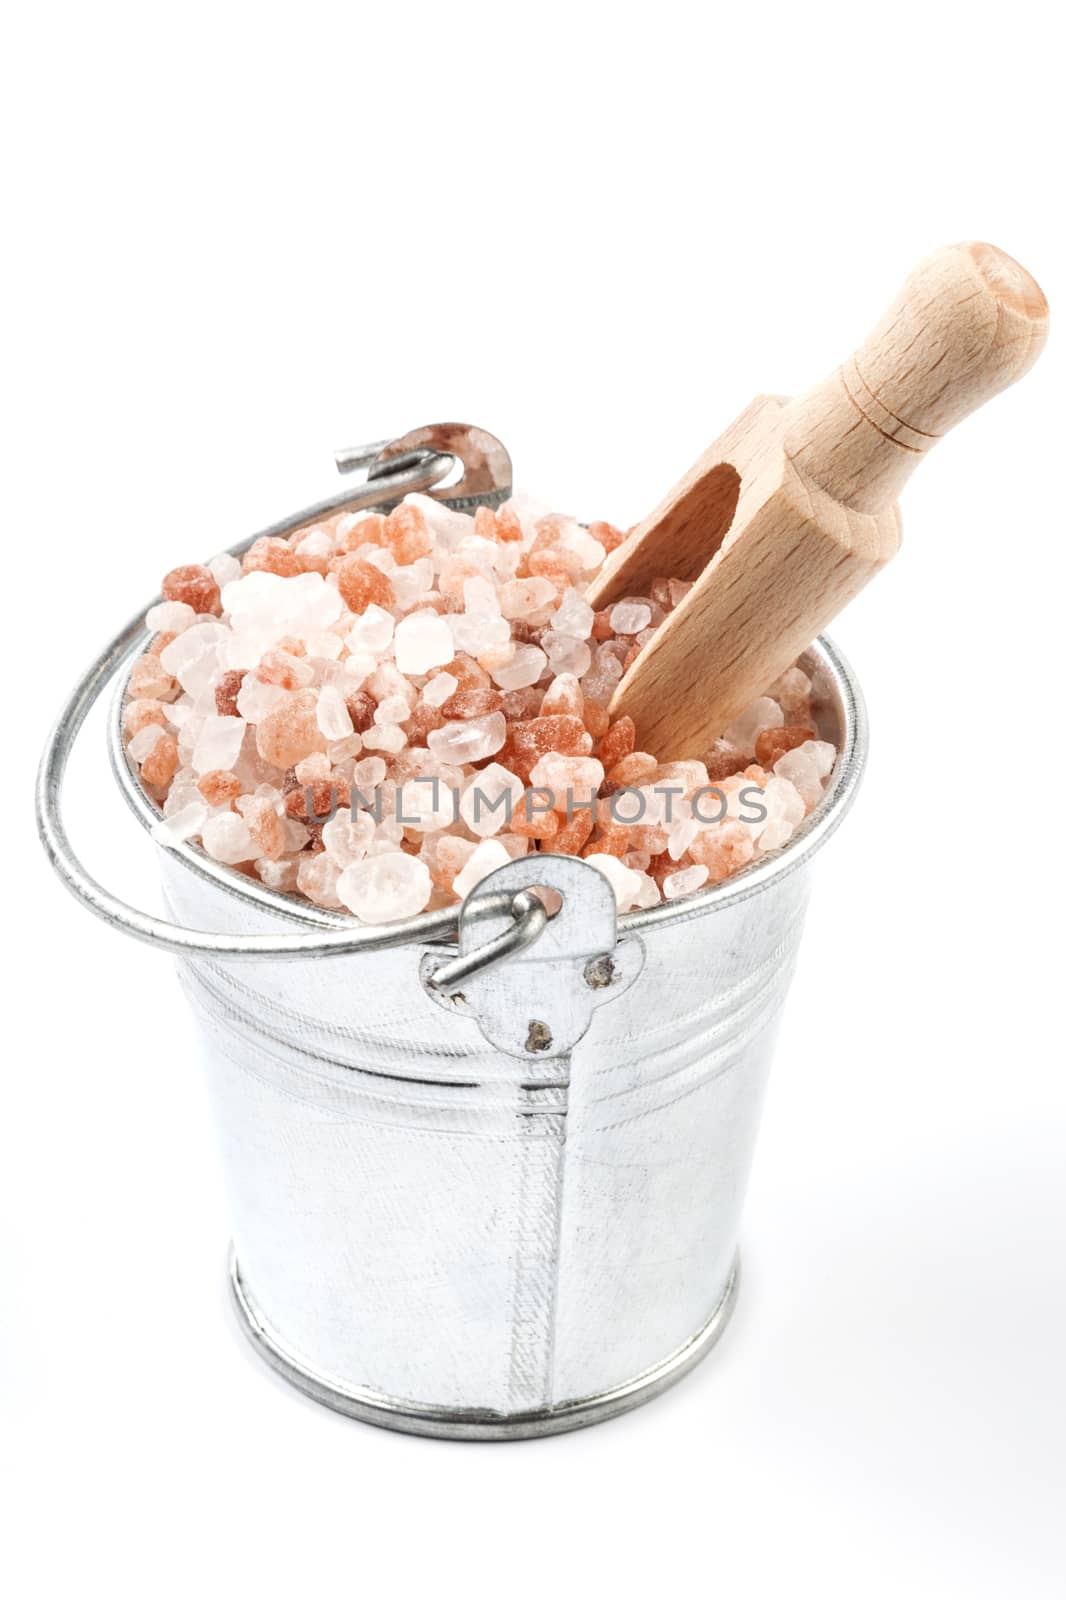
(853,734)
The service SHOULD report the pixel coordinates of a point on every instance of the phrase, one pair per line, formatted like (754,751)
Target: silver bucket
(492,1193)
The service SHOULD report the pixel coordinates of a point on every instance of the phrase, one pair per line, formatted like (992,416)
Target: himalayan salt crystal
(623,880)
(347,836)
(530,819)
(489,855)
(680,836)
(522,705)
(806,767)
(369,774)
(185,823)
(361,706)
(290,732)
(172,616)
(606,534)
(144,742)
(762,714)
(773,743)
(357,528)
(394,708)
(633,771)
(524,596)
(281,876)
(439,689)
(287,671)
(227,689)
(563,696)
(314,547)
(676,884)
(725,760)
(256,699)
(150,681)
(227,838)
(387,681)
(194,587)
(362,584)
(462,743)
(389,737)
(542,736)
(272,555)
(423,640)
(406,534)
(325,645)
(572,836)
(423,721)
(792,691)
(265,826)
(525,667)
(491,800)
(372,633)
(332,714)
(449,858)
(618,742)
(219,788)
(630,616)
(161,762)
(140,714)
(224,568)
(218,744)
(467,703)
(318,877)
(722,849)
(785,810)
(571,779)
(385,888)
(574,616)
(314,768)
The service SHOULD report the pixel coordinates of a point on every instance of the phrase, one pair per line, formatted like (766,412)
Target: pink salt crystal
(219,788)
(385,888)
(150,681)
(564,696)
(227,689)
(361,706)
(265,826)
(195,587)
(281,876)
(462,743)
(290,732)
(317,877)
(362,584)
(806,767)
(372,632)
(144,742)
(161,762)
(138,714)
(334,719)
(490,800)
(423,640)
(623,880)
(723,849)
(406,534)
(272,555)
(224,568)
(393,708)
(524,668)
(566,655)
(630,616)
(792,691)
(450,857)
(676,884)
(785,810)
(172,616)
(314,768)
(285,670)
(489,855)
(389,737)
(523,596)
(184,823)
(227,838)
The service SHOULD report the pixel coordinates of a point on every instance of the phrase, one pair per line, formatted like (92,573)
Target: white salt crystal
(684,882)
(324,644)
(785,809)
(357,669)
(281,876)
(347,836)
(477,632)
(218,744)
(681,836)
(567,653)
(423,640)
(524,596)
(394,708)
(761,714)
(385,888)
(623,880)
(529,512)
(368,774)
(480,598)
(344,749)
(224,568)
(573,616)
(372,633)
(461,743)
(578,777)
(629,616)
(226,838)
(181,824)
(439,689)
(387,736)
(648,892)
(256,700)
(490,800)
(524,668)
(446,526)
(489,855)
(193,655)
(170,616)
(142,744)
(332,713)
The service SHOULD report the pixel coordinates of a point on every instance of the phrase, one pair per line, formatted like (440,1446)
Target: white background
(241,236)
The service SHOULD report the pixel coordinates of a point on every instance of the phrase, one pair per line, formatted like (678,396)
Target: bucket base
(441,1422)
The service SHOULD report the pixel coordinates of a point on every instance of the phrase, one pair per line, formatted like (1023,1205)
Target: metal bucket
(491,1194)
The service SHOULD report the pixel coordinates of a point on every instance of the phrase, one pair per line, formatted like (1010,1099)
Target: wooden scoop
(785,518)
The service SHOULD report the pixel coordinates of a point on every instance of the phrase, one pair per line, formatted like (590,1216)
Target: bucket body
(449,1237)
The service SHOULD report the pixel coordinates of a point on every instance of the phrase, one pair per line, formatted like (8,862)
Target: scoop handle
(969,322)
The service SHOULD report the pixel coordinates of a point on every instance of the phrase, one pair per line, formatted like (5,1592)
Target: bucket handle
(405,466)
